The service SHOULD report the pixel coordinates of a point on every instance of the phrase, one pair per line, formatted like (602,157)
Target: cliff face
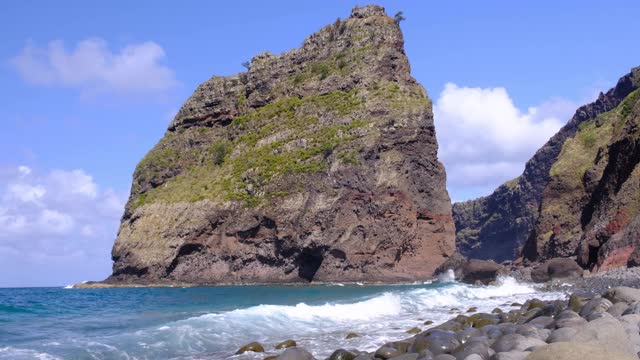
(316,164)
(560,200)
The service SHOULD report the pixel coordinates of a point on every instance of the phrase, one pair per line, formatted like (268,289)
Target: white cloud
(57,213)
(92,66)
(485,139)
(77,182)
(24,170)
(26,193)
(55,222)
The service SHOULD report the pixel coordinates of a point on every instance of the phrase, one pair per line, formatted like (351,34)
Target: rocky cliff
(316,164)
(577,192)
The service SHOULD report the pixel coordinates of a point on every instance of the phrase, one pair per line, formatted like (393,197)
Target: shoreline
(103,285)
(583,325)
(599,280)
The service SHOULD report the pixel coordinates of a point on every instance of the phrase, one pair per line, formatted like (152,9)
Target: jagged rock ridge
(583,180)
(316,164)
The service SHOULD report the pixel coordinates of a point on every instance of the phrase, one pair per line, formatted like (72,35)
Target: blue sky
(89,87)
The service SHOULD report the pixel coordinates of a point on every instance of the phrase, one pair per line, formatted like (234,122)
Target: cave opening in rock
(309,261)
(593,255)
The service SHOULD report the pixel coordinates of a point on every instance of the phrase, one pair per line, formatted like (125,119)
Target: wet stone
(386,352)
(254,347)
(286,344)
(342,354)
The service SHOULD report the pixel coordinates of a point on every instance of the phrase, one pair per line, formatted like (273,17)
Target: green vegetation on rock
(283,138)
(578,153)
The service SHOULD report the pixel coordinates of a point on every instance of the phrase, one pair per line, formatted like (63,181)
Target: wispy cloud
(485,139)
(92,67)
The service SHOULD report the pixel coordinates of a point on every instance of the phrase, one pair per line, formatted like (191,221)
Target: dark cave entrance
(309,261)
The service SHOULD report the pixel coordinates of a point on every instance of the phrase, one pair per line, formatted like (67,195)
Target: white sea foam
(447,276)
(17,354)
(319,328)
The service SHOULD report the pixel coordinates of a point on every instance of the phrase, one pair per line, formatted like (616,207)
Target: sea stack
(318,164)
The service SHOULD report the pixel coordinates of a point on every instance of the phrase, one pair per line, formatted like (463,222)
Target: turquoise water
(213,322)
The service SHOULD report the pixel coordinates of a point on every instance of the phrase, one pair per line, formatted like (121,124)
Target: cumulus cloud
(485,139)
(92,66)
(60,218)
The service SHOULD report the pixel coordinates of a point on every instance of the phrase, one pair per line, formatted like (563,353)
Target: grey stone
(465,334)
(595,305)
(363,357)
(511,342)
(406,357)
(608,332)
(435,340)
(618,309)
(633,309)
(296,353)
(511,355)
(562,334)
(387,352)
(425,355)
(475,357)
(599,315)
(544,322)
(623,294)
(444,357)
(480,349)
(575,351)
(570,322)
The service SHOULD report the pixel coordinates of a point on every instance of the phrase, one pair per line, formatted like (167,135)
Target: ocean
(213,322)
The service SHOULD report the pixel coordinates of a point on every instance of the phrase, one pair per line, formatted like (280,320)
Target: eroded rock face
(316,164)
(576,193)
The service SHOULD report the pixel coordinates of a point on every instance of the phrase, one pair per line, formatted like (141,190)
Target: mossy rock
(450,325)
(496,311)
(414,330)
(428,322)
(482,319)
(254,347)
(286,344)
(271,357)
(536,303)
(341,354)
(516,304)
(462,319)
(472,309)
(510,317)
(577,301)
(352,335)
(529,315)
(483,322)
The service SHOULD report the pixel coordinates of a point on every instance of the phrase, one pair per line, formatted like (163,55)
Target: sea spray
(447,276)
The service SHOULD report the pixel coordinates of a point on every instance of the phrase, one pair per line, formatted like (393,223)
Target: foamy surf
(383,314)
(322,327)
(19,354)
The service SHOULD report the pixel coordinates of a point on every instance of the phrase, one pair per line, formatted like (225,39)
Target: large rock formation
(316,164)
(577,195)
